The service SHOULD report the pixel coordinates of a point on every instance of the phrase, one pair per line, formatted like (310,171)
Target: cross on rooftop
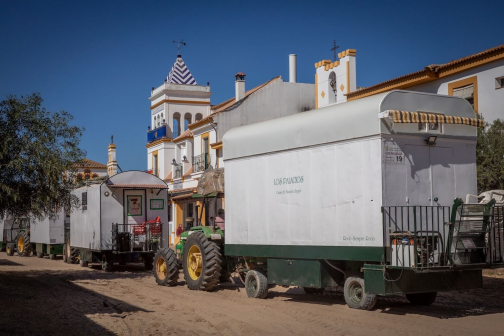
(180,44)
(334,49)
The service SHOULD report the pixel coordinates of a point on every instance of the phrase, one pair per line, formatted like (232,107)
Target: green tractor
(200,252)
(16,236)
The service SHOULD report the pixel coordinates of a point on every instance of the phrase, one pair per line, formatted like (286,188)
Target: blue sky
(99,59)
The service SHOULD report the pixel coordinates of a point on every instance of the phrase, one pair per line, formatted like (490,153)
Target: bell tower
(112,162)
(175,104)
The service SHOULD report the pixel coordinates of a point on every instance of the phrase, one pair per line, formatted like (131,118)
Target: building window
(176,125)
(199,116)
(466,88)
(155,169)
(434,127)
(204,144)
(333,88)
(169,212)
(187,121)
(499,82)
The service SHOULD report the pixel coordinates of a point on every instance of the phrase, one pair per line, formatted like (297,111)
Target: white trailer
(357,195)
(47,235)
(119,219)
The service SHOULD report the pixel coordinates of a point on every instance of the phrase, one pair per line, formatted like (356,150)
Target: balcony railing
(178,172)
(201,162)
(157,133)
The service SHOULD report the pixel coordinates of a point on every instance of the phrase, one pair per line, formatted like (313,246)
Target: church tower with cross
(175,104)
(334,79)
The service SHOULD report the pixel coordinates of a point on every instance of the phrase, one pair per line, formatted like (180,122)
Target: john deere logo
(288,180)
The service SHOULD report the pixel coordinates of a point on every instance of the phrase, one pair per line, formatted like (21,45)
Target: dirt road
(49,297)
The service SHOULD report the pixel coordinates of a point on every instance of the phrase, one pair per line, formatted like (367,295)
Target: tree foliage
(37,149)
(490,156)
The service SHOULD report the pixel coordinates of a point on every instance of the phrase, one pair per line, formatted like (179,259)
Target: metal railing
(497,236)
(415,236)
(178,172)
(201,162)
(426,237)
(157,133)
(145,237)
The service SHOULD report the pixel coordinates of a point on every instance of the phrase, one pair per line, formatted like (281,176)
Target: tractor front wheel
(167,267)
(24,247)
(202,262)
(10,250)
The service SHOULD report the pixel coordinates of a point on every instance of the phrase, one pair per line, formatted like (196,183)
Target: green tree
(490,156)
(37,152)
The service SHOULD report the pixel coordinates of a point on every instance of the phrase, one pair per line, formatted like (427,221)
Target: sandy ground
(49,297)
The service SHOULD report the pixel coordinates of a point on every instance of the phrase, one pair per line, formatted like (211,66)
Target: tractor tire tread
(212,261)
(172,273)
(27,248)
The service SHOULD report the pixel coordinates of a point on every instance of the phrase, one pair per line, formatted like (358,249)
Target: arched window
(176,124)
(187,120)
(333,88)
(199,116)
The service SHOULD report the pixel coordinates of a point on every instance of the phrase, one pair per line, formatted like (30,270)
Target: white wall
(339,196)
(490,100)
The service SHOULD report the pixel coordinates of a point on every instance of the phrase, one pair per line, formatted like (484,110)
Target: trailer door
(135,211)
(442,175)
(418,179)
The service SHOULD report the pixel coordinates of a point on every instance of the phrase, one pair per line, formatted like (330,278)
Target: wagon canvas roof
(351,120)
(138,186)
(136,180)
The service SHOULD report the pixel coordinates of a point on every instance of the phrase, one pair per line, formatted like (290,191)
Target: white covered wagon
(121,219)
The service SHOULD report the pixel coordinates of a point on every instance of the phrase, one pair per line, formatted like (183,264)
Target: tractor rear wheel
(355,295)
(24,247)
(202,262)
(422,299)
(74,255)
(256,284)
(167,267)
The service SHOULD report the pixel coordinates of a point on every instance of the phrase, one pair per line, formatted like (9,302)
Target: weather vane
(334,49)
(180,44)
(112,139)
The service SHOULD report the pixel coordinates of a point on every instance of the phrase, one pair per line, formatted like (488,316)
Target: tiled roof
(429,72)
(228,104)
(187,134)
(87,163)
